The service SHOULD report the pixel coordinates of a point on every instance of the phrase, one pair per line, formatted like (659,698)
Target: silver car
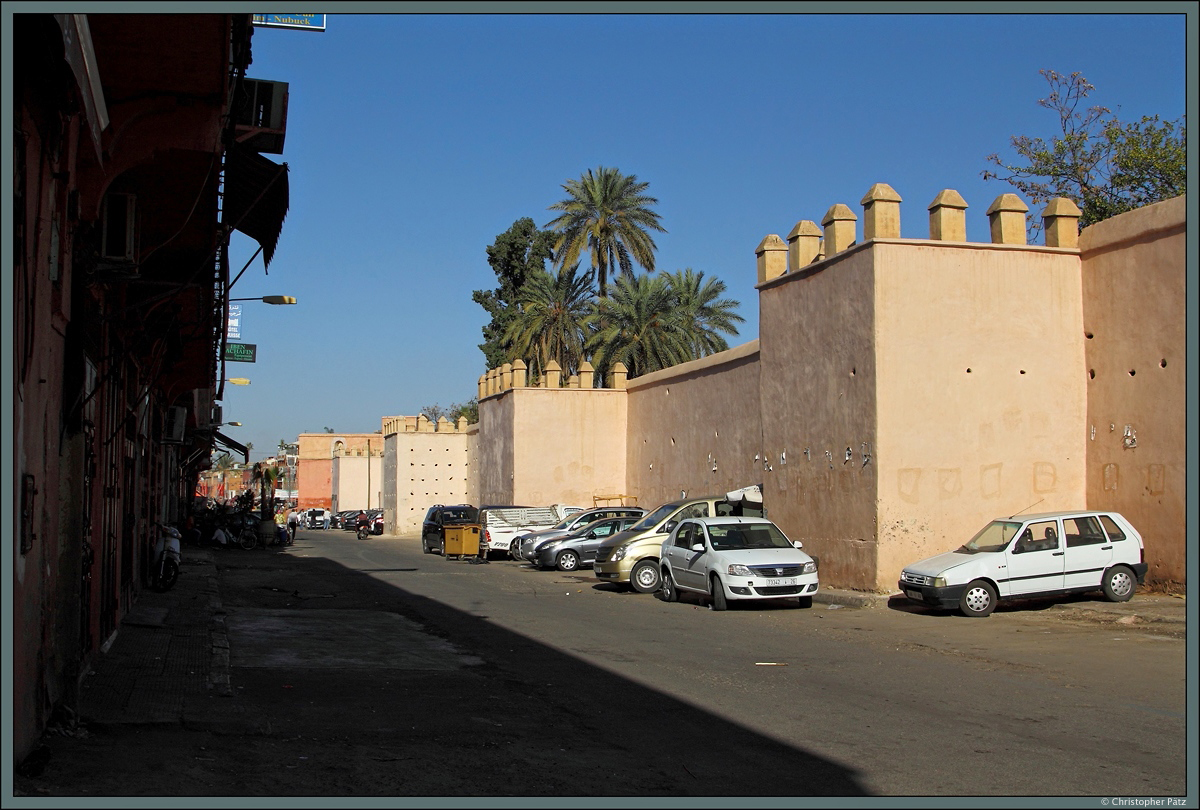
(526,546)
(569,552)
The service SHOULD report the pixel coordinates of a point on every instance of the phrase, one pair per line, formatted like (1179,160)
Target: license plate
(781,583)
(914,595)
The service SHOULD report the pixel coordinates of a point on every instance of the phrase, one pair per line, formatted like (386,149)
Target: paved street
(342,667)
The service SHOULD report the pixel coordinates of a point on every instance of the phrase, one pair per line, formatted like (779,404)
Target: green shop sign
(240,352)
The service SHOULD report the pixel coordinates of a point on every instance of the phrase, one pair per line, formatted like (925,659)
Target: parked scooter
(164,570)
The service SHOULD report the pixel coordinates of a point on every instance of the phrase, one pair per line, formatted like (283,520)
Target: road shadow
(530,720)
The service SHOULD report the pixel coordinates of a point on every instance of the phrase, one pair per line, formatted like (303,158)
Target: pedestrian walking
(293,523)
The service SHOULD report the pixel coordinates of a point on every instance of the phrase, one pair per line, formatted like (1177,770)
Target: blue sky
(414,140)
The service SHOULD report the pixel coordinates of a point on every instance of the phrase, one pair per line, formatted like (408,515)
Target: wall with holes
(903,392)
(695,428)
(1135,333)
(819,401)
(424,464)
(980,392)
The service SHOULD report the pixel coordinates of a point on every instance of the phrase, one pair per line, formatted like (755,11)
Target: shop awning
(230,444)
(256,196)
(77,50)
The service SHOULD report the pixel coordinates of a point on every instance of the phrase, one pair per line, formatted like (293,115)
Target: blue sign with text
(303,22)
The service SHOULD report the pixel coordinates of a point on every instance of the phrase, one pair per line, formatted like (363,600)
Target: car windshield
(465,515)
(740,536)
(651,520)
(570,522)
(992,537)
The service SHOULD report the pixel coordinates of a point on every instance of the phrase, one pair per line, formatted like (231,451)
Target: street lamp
(238,381)
(270,299)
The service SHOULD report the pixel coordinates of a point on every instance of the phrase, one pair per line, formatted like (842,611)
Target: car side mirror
(797,544)
(668,526)
(697,547)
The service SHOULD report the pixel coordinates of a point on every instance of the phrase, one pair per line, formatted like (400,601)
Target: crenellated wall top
(808,243)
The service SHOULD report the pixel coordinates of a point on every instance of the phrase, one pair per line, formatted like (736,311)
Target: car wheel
(668,591)
(644,577)
(425,549)
(717,591)
(1119,584)
(978,600)
(567,561)
(805,601)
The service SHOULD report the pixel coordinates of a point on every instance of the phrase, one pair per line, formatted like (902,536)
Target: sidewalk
(169,662)
(1163,610)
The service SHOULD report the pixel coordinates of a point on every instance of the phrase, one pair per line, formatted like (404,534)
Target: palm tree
(704,313)
(554,314)
(640,327)
(609,214)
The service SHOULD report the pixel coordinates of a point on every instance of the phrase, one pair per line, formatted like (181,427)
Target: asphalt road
(367,669)
(879,701)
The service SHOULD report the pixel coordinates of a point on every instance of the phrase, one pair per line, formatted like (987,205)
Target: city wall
(423,464)
(1135,344)
(902,391)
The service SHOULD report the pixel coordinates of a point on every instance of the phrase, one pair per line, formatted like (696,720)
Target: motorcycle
(164,570)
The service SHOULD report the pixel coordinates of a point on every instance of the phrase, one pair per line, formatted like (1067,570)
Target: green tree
(639,325)
(704,315)
(434,412)
(224,462)
(469,409)
(610,215)
(554,313)
(1105,166)
(519,251)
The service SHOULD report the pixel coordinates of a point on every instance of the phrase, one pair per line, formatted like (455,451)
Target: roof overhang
(223,440)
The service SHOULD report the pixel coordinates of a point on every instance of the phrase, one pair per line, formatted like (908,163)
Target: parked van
(1047,554)
(631,557)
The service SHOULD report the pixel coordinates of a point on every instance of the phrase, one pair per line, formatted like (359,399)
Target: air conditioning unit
(260,114)
(175,425)
(216,415)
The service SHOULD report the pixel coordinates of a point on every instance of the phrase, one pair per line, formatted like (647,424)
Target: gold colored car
(631,557)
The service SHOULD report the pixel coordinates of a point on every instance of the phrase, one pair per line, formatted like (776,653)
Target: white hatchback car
(734,558)
(1048,554)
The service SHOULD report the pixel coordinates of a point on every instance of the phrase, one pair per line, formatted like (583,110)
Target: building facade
(128,177)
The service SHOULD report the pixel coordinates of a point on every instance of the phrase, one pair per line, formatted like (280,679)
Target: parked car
(376,516)
(631,557)
(1047,554)
(735,558)
(525,547)
(317,518)
(571,551)
(339,518)
(439,516)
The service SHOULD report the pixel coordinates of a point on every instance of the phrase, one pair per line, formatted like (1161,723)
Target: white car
(735,558)
(1047,554)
